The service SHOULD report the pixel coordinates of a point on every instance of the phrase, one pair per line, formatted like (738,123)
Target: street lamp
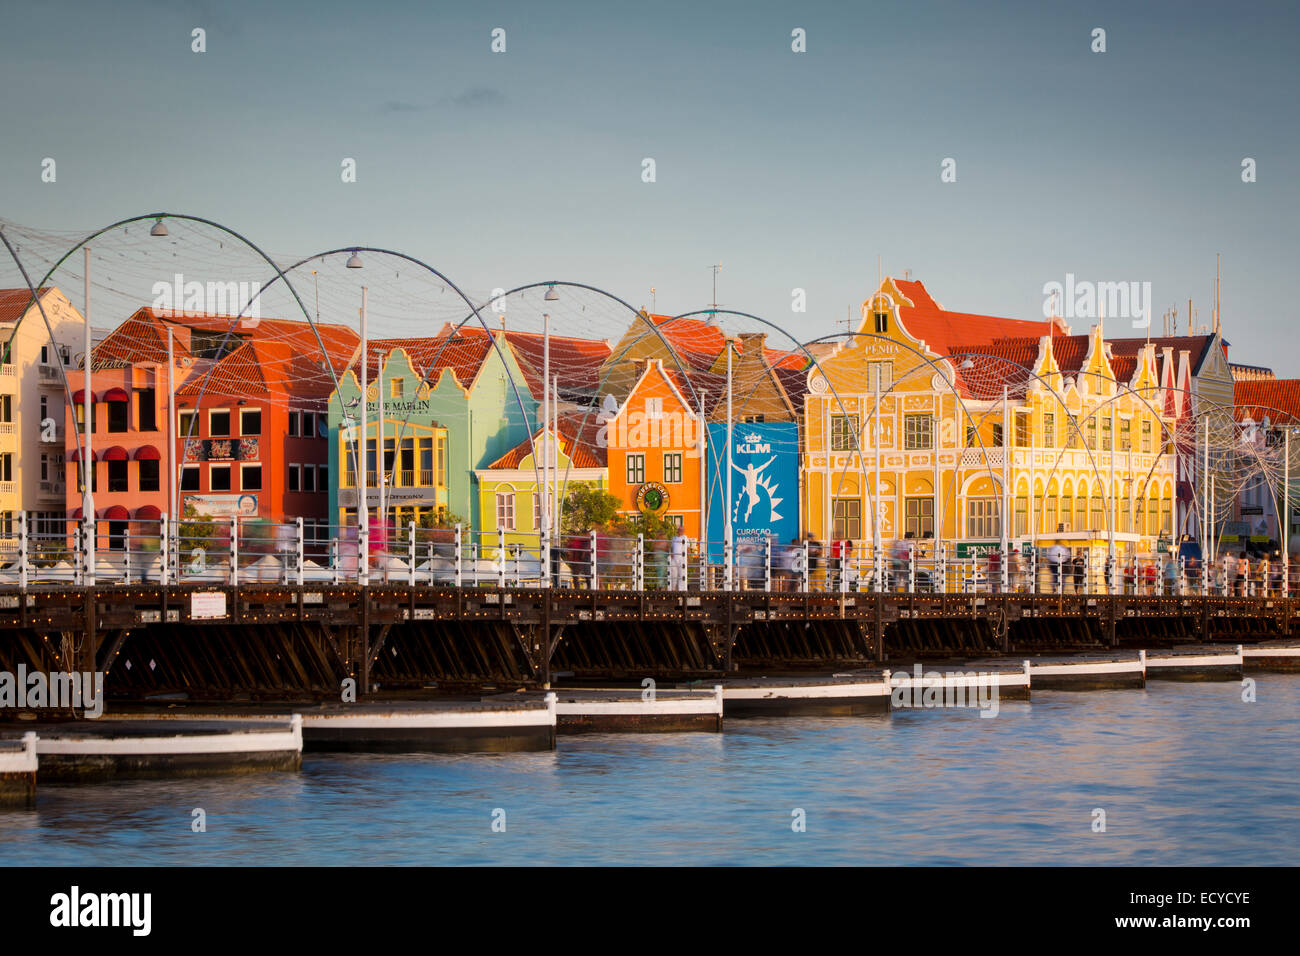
(551,295)
(158,229)
(354,261)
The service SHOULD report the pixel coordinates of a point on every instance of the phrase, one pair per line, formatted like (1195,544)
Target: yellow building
(511,488)
(982,417)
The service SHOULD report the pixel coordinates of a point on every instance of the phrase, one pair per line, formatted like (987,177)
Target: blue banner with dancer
(764,471)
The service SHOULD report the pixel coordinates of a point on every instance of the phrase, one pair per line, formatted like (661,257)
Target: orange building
(655,443)
(250,432)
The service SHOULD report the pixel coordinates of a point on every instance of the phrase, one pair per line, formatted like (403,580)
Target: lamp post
(363,454)
(88,414)
(381,451)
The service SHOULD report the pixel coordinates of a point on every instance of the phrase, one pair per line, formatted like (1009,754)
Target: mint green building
(436,432)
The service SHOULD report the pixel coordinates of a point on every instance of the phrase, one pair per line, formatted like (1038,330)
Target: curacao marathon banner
(764,481)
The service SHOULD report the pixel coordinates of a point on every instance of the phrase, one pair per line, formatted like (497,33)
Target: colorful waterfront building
(512,488)
(484,392)
(1267,464)
(248,436)
(417,446)
(32,397)
(655,442)
(982,417)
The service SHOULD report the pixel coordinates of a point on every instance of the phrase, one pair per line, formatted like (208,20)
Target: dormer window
(882,322)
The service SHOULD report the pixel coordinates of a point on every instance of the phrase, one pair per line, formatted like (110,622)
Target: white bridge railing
(118,549)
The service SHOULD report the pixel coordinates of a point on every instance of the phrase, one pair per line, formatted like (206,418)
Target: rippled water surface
(1186,774)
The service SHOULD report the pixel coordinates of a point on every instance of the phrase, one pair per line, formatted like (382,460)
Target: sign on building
(764,470)
(207,605)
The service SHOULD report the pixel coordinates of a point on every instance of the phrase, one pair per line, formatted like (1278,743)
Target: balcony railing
(406,477)
(52,489)
(50,375)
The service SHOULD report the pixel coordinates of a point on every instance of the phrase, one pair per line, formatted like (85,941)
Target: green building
(453,403)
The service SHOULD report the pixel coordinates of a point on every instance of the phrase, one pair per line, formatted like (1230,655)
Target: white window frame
(982,519)
(506,510)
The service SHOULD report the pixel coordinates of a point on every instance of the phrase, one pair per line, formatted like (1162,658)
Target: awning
(79,396)
(147,453)
(76,515)
(116,453)
(81,453)
(115,513)
(115,395)
(148,513)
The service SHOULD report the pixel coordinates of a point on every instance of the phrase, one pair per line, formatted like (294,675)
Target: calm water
(1187,774)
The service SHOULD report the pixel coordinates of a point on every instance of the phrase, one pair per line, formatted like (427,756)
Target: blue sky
(792,170)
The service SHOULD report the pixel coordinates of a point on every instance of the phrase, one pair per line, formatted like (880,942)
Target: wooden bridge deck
(258,641)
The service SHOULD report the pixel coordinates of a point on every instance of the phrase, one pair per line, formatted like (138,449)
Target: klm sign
(764,470)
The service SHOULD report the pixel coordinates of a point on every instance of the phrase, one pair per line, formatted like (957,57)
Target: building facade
(34,372)
(977,430)
(655,443)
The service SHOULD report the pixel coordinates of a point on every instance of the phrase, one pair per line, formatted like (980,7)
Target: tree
(198,530)
(439,517)
(435,525)
(588,508)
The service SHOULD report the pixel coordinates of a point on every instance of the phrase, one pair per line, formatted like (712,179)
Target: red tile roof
(460,352)
(579,440)
(941,329)
(340,341)
(14,303)
(1197,345)
(260,368)
(699,343)
(576,361)
(141,338)
(1254,399)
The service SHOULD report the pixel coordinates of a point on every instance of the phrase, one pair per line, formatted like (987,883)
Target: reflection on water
(1187,774)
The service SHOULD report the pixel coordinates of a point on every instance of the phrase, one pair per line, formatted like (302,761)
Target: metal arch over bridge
(466,612)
